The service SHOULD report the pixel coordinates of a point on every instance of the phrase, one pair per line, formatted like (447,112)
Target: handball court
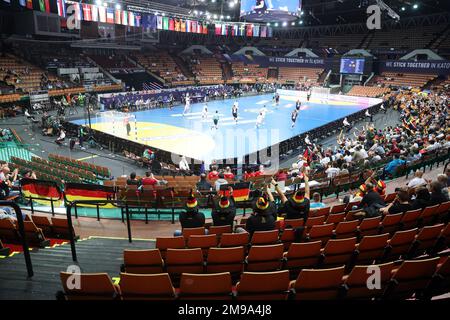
(194,136)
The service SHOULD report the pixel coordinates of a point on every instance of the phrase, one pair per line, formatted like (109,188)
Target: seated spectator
(191,217)
(220,181)
(281,175)
(132,180)
(264,214)
(315,202)
(370,203)
(399,205)
(224,211)
(437,196)
(149,179)
(417,181)
(228,174)
(297,206)
(184,166)
(332,170)
(442,179)
(392,166)
(203,184)
(422,199)
(213,174)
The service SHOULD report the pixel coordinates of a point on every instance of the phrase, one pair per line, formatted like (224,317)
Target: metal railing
(22,234)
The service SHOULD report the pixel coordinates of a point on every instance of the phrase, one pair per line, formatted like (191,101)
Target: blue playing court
(194,136)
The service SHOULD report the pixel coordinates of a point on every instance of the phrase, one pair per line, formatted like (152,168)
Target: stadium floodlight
(231,4)
(284,24)
(415,6)
(118,6)
(391,13)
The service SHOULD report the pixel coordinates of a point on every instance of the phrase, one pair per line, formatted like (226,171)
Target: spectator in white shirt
(332,170)
(183,165)
(418,180)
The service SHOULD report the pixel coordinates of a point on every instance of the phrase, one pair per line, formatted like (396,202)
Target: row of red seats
(418,278)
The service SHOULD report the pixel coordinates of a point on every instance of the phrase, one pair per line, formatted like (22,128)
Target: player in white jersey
(263,111)
(205,112)
(187,105)
(234,111)
(259,120)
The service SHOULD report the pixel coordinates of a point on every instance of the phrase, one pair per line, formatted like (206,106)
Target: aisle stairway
(94,255)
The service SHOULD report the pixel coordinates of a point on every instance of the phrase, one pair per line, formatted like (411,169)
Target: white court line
(189,113)
(289,105)
(234,123)
(263,102)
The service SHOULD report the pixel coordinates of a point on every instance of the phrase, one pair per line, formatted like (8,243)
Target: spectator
(399,205)
(203,184)
(417,181)
(391,167)
(220,181)
(149,179)
(213,174)
(132,180)
(442,179)
(316,203)
(297,207)
(184,166)
(422,199)
(228,174)
(437,196)
(264,214)
(191,217)
(224,211)
(370,203)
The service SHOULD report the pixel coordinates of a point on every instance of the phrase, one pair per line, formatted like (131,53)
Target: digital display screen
(352,65)
(270,10)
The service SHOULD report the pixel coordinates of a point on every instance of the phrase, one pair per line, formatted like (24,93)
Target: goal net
(115,122)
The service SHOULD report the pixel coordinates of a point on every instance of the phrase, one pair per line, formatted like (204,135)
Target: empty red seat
(319,212)
(294,223)
(429,215)
(336,218)
(356,283)
(369,227)
(314,221)
(187,232)
(265,258)
(427,239)
(234,239)
(302,255)
(264,237)
(184,260)
(216,286)
(163,243)
(391,223)
(92,286)
(320,232)
(318,284)
(338,208)
(371,248)
(346,229)
(218,230)
(226,260)
(400,244)
(142,261)
(263,286)
(338,252)
(203,242)
(412,277)
(410,219)
(146,287)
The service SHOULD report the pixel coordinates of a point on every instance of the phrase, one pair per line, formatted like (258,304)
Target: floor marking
(263,102)
(86,158)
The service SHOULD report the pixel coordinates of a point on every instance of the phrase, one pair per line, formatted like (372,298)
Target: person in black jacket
(191,217)
(422,199)
(264,214)
(370,203)
(296,207)
(224,211)
(436,196)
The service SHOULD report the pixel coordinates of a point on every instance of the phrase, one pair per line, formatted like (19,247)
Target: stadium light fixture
(105,4)
(415,6)
(98,2)
(215,16)
(293,23)
(231,4)
(228,17)
(403,8)
(118,6)
(221,17)
(284,24)
(301,21)
(268,24)
(276,24)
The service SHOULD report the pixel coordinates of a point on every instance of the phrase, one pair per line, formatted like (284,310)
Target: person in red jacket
(213,174)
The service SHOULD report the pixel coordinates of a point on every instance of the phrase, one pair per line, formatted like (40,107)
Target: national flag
(61,4)
(193,26)
(88,192)
(109,15)
(182,25)
(23,3)
(234,30)
(94,13)
(165,23)
(224,30)
(159,23)
(131,21)
(199,27)
(118,16)
(124,18)
(171,24)
(177,25)
(102,14)
(30,4)
(269,32)
(137,20)
(249,30)
(87,13)
(241,30)
(256,30)
(205,28)
(78,11)
(188,25)
(263,31)
(42,190)
(42,5)
(218,29)
(47,5)
(241,191)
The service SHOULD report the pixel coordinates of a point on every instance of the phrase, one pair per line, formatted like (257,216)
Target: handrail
(23,236)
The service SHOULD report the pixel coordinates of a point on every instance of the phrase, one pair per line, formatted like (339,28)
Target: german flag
(241,190)
(42,191)
(83,192)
